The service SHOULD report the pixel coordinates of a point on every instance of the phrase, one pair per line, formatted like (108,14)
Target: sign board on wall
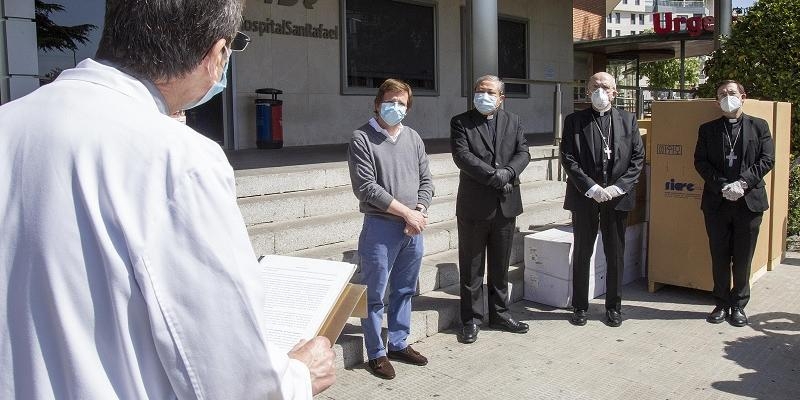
(269,26)
(678,246)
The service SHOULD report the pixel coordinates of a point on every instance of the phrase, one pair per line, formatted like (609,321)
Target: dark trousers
(475,238)
(732,234)
(612,224)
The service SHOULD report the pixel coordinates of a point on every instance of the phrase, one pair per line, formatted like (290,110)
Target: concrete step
(307,233)
(287,179)
(328,201)
(431,313)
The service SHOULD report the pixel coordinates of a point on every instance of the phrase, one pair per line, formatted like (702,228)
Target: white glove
(614,191)
(733,191)
(598,194)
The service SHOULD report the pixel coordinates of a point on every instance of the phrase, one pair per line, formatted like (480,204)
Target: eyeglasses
(723,93)
(240,41)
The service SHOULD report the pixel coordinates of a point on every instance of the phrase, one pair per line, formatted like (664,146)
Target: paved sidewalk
(663,350)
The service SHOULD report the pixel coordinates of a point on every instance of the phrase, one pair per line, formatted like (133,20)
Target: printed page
(299,294)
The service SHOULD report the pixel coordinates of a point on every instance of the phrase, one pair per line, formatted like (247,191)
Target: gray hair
(490,78)
(165,39)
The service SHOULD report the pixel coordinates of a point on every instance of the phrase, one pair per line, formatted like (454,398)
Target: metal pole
(484,37)
(723,16)
(683,68)
(557,121)
(639,100)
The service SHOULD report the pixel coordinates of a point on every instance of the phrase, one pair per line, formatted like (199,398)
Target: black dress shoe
(508,325)
(719,315)
(613,317)
(469,333)
(578,318)
(738,318)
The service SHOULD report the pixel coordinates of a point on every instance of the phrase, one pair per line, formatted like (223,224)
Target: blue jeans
(388,257)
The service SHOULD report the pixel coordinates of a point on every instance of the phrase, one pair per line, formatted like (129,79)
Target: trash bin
(269,119)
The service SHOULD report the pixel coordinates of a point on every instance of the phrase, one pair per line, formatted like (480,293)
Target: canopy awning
(649,46)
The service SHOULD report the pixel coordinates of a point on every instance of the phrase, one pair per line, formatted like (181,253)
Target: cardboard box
(548,268)
(779,198)
(542,288)
(550,252)
(678,253)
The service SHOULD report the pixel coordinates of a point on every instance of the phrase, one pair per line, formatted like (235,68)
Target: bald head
(601,80)
(602,88)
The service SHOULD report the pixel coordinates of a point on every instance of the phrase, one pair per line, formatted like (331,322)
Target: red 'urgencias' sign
(694,25)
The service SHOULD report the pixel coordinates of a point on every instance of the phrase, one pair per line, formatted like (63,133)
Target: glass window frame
(346,90)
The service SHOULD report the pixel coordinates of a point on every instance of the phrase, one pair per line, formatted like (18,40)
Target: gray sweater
(381,170)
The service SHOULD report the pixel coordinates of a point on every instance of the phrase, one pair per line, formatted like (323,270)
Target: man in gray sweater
(390,177)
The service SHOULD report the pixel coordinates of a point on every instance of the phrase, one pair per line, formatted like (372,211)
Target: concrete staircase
(310,211)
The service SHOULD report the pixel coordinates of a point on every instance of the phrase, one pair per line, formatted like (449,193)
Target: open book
(306,297)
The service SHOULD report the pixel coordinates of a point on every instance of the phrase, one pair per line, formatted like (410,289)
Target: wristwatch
(422,209)
(744,184)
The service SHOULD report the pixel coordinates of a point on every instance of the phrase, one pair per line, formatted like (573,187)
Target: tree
(666,74)
(763,54)
(51,36)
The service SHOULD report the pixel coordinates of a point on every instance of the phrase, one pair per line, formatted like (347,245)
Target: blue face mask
(216,88)
(392,113)
(484,103)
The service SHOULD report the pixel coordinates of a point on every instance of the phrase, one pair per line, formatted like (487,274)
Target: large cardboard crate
(678,244)
(779,199)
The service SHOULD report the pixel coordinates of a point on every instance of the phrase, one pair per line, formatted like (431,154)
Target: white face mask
(730,104)
(600,100)
(392,113)
(484,103)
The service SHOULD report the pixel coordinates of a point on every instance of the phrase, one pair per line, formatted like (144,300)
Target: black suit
(486,216)
(581,158)
(733,227)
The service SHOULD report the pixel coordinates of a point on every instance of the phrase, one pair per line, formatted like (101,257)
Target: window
(638,2)
(617,17)
(633,32)
(641,19)
(616,32)
(633,19)
(379,44)
(512,54)
(608,33)
(624,1)
(609,18)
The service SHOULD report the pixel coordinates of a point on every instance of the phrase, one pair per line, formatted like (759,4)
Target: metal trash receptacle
(269,119)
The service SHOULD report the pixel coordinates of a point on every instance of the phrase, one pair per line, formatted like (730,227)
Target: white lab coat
(125,267)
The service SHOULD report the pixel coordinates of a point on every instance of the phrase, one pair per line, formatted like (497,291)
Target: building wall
(308,71)
(641,12)
(588,19)
(646,8)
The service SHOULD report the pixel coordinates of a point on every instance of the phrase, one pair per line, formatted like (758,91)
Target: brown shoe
(408,355)
(381,367)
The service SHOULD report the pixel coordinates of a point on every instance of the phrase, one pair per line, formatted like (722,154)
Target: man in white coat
(125,267)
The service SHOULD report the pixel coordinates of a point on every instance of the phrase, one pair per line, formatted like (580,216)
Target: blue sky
(743,3)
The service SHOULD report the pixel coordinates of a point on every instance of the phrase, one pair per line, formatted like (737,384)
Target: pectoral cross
(730,158)
(608,153)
